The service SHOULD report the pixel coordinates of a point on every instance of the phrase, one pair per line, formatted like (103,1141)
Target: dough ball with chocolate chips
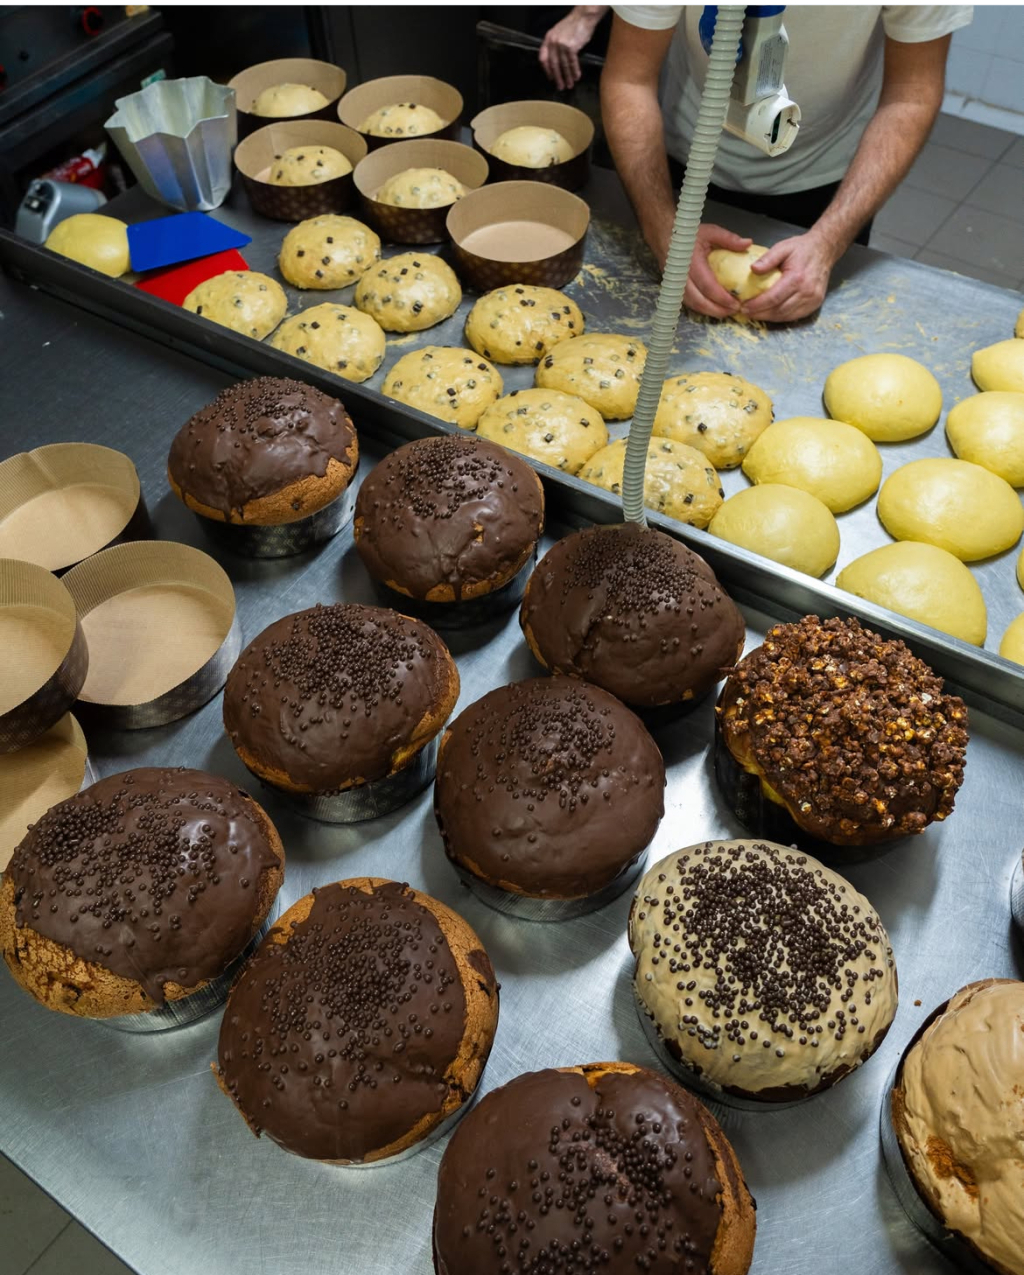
(402,119)
(335,337)
(328,252)
(521,323)
(678,480)
(385,1004)
(720,414)
(529,146)
(547,425)
(242,300)
(450,383)
(285,101)
(409,292)
(421,188)
(308,166)
(603,369)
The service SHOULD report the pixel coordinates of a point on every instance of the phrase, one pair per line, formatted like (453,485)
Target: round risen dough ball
(601,368)
(282,101)
(402,119)
(521,323)
(888,396)
(783,523)
(715,412)
(529,146)
(833,461)
(335,337)
(94,240)
(923,583)
(409,292)
(242,300)
(328,252)
(421,188)
(1011,645)
(988,429)
(960,507)
(452,384)
(678,480)
(559,429)
(732,270)
(999,366)
(307,166)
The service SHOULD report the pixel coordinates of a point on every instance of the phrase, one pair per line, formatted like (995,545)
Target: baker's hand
(703,291)
(559,54)
(806,263)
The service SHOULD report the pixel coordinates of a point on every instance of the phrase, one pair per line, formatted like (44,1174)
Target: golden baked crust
(296,501)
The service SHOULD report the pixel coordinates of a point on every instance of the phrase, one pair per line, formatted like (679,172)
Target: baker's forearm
(636,138)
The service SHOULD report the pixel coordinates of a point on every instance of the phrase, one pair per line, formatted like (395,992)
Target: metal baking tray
(132,1135)
(877,303)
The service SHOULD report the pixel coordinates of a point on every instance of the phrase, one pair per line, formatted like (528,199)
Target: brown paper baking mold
(523,201)
(49,770)
(250,83)
(43,652)
(574,125)
(159,619)
(415,225)
(255,155)
(424,90)
(88,494)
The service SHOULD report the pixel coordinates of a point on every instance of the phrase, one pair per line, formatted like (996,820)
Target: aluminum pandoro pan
(62,502)
(45,657)
(254,159)
(159,620)
(875,302)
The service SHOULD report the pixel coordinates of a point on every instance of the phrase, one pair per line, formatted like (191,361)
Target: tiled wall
(986,61)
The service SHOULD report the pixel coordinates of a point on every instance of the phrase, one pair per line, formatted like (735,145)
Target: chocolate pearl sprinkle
(435,477)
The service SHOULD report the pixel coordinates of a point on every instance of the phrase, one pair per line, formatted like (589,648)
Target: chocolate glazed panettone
(605,1168)
(137,891)
(830,731)
(362,1024)
(264,452)
(634,612)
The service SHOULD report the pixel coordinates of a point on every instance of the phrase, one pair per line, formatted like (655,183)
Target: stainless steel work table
(131,1134)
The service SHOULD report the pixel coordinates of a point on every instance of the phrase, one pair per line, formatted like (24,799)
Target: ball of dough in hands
(308,166)
(242,300)
(528,146)
(335,337)
(732,270)
(602,368)
(409,292)
(988,429)
(93,240)
(888,396)
(718,413)
(1011,646)
(1000,366)
(782,523)
(521,323)
(283,101)
(402,119)
(444,381)
(327,252)
(558,429)
(833,461)
(420,188)
(960,507)
(678,480)
(923,583)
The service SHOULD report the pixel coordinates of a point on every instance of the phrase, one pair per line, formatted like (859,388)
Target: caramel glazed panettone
(362,1023)
(265,452)
(850,732)
(603,1169)
(137,891)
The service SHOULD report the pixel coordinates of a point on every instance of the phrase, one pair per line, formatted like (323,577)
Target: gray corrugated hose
(714,104)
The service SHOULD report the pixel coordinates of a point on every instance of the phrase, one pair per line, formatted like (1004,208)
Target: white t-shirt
(833,73)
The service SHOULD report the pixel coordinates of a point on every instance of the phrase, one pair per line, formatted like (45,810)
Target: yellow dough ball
(999,366)
(448,382)
(783,523)
(94,240)
(531,147)
(403,119)
(988,429)
(678,480)
(521,323)
(420,188)
(601,367)
(716,412)
(307,166)
(558,429)
(888,396)
(242,300)
(923,583)
(283,101)
(960,507)
(732,270)
(833,461)
(1011,646)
